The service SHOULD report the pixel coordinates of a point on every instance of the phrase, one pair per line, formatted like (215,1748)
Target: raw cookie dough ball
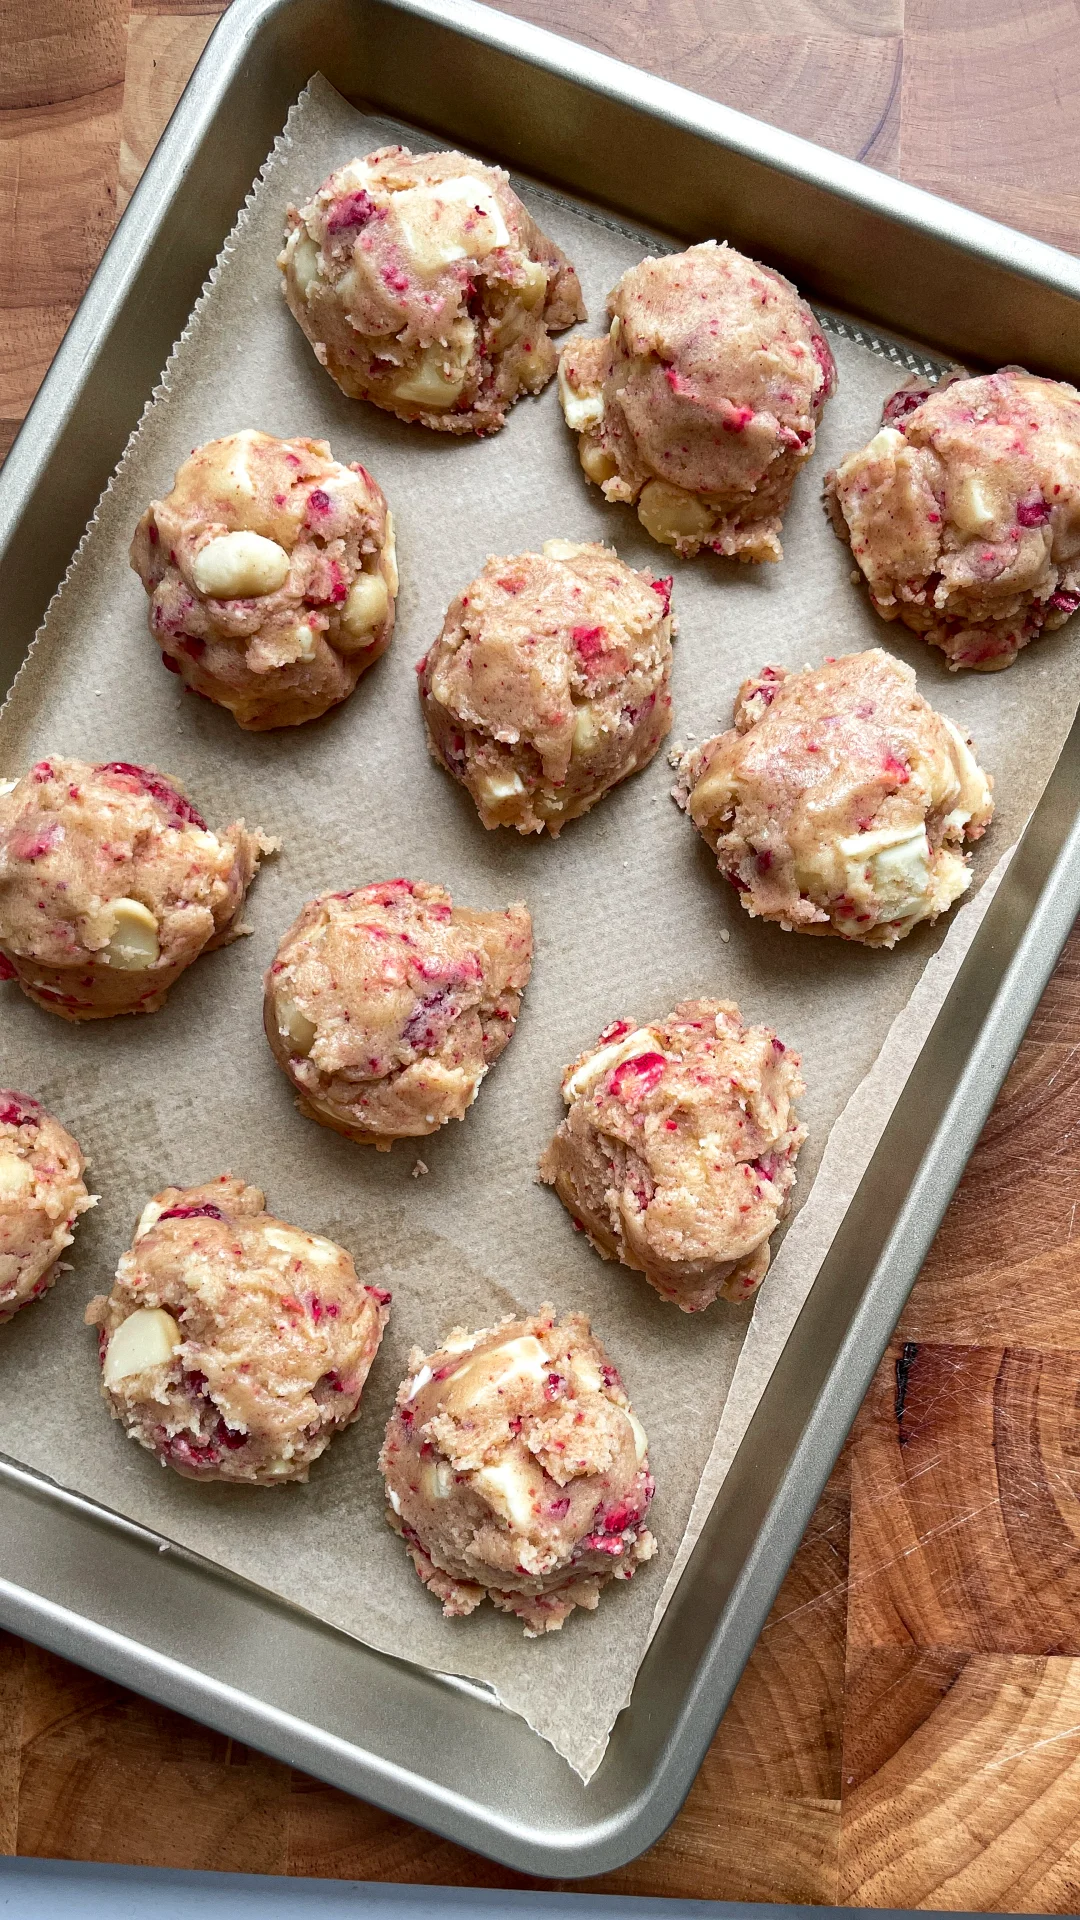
(111,884)
(702,402)
(272,574)
(549,683)
(424,286)
(964,513)
(516,1467)
(42,1194)
(386,1005)
(839,802)
(677,1153)
(233,1346)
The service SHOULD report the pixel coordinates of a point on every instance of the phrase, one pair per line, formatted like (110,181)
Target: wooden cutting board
(908,1729)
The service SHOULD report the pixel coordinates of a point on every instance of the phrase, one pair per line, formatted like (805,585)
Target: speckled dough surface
(232,1346)
(516,1469)
(425,286)
(677,1154)
(549,683)
(964,512)
(42,1193)
(702,401)
(111,884)
(386,1005)
(272,576)
(839,801)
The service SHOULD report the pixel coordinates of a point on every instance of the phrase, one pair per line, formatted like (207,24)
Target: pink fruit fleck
(7,971)
(1032,513)
(352,210)
(144,781)
(31,843)
(663,588)
(170,665)
(318,501)
(614,1032)
(152,534)
(588,641)
(204,1212)
(735,419)
(558,1509)
(1065,602)
(554,1386)
(903,402)
(42,771)
(611,1376)
(637,1077)
(896,769)
(382,1295)
(18,1110)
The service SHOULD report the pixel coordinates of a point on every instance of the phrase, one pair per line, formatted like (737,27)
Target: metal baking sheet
(389,1731)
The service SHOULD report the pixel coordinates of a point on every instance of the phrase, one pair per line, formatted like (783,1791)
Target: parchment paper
(629,917)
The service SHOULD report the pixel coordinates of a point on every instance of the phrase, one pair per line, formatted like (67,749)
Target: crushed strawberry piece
(204,1212)
(352,210)
(636,1077)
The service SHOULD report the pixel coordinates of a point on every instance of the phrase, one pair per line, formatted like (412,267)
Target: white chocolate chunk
(534,292)
(513,1487)
(499,786)
(302,1246)
(642,1040)
(898,859)
(236,566)
(419,1382)
(133,943)
(641,1438)
(971,505)
(366,607)
(429,384)
(303,255)
(389,555)
(148,1218)
(490,1373)
(455,220)
(565,549)
(436,1479)
(393,1499)
(7,786)
(147,1338)
(586,730)
(16,1177)
(294,1025)
(580,410)
(974,786)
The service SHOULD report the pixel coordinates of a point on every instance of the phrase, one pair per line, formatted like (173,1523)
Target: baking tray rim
(639,1821)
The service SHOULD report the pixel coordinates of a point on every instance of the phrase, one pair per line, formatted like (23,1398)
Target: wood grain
(906,1731)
